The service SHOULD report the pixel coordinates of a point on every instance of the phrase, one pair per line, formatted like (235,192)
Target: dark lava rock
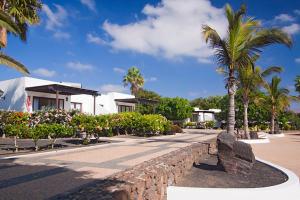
(234,156)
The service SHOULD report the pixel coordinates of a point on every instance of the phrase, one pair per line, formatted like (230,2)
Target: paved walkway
(283,151)
(44,175)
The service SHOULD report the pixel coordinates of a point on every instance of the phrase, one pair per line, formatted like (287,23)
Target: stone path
(283,151)
(44,175)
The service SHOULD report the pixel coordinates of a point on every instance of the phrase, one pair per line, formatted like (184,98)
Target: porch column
(94,104)
(57,100)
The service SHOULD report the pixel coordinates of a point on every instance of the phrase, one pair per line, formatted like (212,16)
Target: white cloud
(292,29)
(55,19)
(112,88)
(61,35)
(284,18)
(151,79)
(44,72)
(119,70)
(297,12)
(172,29)
(94,39)
(297,60)
(78,66)
(90,4)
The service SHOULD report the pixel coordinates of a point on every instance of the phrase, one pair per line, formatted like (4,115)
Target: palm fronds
(8,61)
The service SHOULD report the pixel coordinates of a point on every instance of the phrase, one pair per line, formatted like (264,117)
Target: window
(195,118)
(123,108)
(76,106)
(41,103)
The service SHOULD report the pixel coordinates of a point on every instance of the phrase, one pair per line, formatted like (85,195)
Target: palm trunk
(231,106)
(272,123)
(3,37)
(3,31)
(246,128)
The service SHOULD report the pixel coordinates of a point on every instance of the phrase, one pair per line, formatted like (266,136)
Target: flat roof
(137,100)
(205,111)
(61,89)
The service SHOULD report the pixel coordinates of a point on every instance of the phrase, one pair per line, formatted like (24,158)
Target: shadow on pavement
(38,181)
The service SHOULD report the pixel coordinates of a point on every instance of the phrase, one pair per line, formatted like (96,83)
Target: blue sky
(95,42)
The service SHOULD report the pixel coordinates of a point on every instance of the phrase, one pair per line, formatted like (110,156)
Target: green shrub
(151,124)
(174,108)
(17,131)
(38,132)
(190,124)
(210,124)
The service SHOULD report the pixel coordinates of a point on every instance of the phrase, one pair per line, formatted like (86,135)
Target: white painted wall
(14,93)
(16,96)
(105,103)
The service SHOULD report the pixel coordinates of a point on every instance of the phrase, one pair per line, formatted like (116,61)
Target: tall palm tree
(135,78)
(23,13)
(249,80)
(244,40)
(7,23)
(15,15)
(277,98)
(297,84)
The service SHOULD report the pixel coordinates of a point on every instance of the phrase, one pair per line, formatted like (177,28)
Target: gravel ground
(208,174)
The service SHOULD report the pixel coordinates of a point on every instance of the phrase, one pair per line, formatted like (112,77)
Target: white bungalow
(204,115)
(31,94)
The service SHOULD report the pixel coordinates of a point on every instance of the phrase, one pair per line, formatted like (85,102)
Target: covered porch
(55,96)
(129,104)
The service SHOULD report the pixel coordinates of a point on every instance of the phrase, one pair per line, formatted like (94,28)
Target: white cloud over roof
(171,29)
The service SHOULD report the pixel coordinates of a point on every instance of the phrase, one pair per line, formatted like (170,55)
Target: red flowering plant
(53,116)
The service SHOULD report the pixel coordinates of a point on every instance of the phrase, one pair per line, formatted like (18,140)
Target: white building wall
(14,94)
(105,103)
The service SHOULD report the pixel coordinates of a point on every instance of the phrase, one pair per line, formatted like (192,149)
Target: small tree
(17,131)
(151,99)
(58,131)
(37,133)
(174,108)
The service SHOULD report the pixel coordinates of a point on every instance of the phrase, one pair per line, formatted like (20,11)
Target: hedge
(54,124)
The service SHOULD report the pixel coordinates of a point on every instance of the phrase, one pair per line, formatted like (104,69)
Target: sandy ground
(283,151)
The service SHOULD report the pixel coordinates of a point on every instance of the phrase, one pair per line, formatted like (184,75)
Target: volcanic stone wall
(148,180)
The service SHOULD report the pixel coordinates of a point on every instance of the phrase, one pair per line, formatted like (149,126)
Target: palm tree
(297,84)
(12,27)
(277,98)
(135,78)
(22,12)
(244,40)
(249,80)
(14,18)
